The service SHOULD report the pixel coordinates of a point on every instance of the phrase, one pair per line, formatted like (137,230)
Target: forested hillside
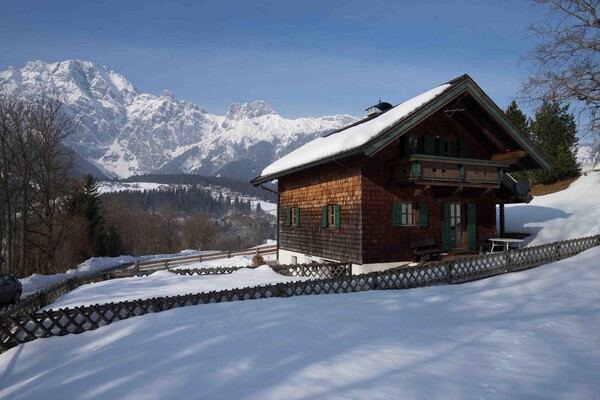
(172,218)
(235,185)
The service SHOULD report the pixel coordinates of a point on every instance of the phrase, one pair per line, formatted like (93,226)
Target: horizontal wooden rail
(166,263)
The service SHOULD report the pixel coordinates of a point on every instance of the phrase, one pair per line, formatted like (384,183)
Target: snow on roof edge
(349,139)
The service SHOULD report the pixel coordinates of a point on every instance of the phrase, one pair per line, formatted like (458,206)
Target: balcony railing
(435,170)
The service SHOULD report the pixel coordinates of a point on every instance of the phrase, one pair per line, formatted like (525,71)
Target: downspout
(277,218)
(502,226)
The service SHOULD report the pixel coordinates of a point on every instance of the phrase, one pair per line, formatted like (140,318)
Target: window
(409,214)
(450,148)
(403,214)
(292,216)
(415,145)
(331,216)
(456,224)
(411,145)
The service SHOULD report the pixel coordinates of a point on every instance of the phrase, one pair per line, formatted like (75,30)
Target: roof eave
(271,177)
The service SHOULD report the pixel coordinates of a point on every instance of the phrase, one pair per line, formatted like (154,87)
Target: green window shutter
(441,147)
(462,149)
(416,169)
(429,144)
(500,174)
(405,146)
(324,217)
(461,171)
(446,230)
(471,227)
(288,217)
(422,214)
(297,216)
(397,214)
(338,215)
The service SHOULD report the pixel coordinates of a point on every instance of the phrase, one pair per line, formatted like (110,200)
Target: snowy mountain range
(124,131)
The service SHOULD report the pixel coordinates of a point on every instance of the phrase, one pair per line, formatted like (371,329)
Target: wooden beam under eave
(509,156)
(481,127)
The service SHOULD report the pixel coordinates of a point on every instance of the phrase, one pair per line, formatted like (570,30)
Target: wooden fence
(330,270)
(166,263)
(20,329)
(206,271)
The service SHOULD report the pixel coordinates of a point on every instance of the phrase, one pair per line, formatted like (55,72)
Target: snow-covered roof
(349,139)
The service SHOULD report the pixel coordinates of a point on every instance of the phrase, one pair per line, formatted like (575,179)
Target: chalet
(430,169)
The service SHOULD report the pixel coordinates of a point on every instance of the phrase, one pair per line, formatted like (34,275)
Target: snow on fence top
(351,138)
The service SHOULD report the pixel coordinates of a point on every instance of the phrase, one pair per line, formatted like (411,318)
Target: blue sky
(305,58)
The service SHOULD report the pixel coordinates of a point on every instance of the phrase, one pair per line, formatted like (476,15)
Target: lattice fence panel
(206,271)
(329,270)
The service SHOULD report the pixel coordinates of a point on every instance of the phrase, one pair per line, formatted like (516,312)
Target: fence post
(449,276)
(43,299)
(137,266)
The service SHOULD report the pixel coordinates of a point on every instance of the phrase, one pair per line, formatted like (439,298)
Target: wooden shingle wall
(309,191)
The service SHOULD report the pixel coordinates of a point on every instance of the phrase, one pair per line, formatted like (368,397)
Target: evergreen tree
(114,242)
(554,132)
(518,118)
(522,122)
(86,202)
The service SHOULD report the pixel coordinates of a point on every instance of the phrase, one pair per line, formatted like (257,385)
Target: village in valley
(441,244)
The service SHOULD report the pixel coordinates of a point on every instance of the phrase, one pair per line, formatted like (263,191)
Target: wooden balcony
(448,171)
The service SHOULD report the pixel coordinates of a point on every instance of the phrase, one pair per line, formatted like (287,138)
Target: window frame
(409,214)
(292,217)
(331,216)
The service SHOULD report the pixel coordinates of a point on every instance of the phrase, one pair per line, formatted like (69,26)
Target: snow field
(533,334)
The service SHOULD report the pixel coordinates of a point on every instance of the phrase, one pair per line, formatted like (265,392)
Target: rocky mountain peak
(167,95)
(125,131)
(257,108)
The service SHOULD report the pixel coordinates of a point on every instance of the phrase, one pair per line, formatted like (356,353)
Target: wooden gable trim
(389,136)
(501,118)
(498,115)
(468,85)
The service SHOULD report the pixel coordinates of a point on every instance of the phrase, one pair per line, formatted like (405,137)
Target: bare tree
(565,65)
(50,180)
(199,232)
(16,169)
(33,175)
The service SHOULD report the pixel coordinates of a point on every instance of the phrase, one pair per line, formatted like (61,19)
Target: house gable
(463,87)
(372,134)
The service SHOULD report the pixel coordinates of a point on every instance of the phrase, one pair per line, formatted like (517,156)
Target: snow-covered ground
(568,214)
(165,283)
(533,334)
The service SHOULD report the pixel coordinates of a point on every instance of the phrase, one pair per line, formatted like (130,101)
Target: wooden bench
(423,249)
